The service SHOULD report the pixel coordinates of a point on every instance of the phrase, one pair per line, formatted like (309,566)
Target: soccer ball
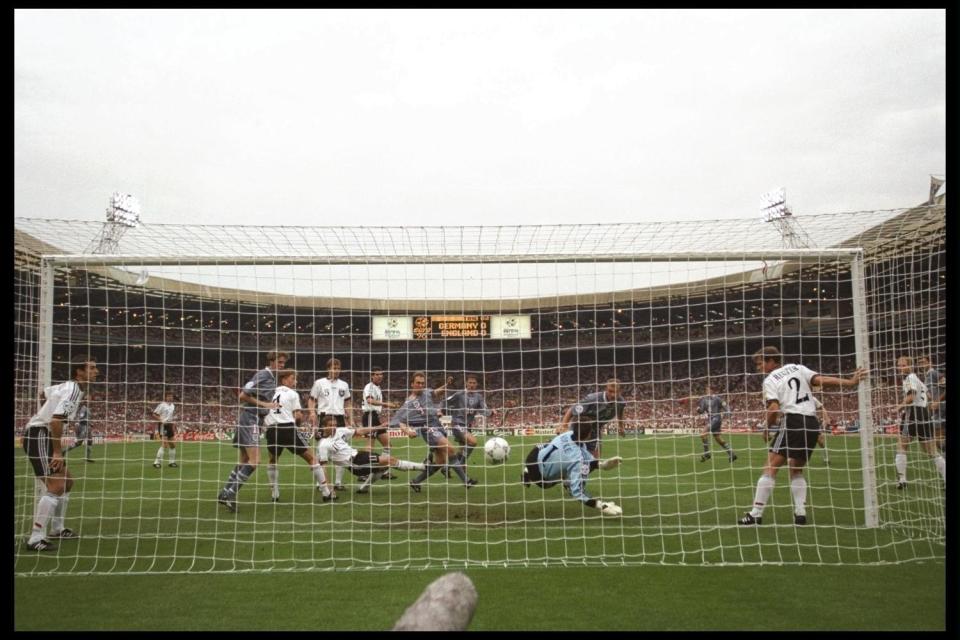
(496,450)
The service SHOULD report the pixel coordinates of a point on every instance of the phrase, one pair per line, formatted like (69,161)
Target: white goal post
(854,257)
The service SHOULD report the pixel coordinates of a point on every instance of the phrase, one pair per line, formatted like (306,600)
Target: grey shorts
(714,425)
(459,433)
(432,435)
(246,436)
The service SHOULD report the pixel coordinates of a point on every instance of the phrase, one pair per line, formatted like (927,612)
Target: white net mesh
(666,308)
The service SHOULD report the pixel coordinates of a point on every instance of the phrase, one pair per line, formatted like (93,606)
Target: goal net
(536,318)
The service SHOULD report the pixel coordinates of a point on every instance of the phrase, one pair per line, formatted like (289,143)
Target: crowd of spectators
(658,395)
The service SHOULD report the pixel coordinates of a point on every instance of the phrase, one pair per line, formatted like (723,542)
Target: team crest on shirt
(69,406)
(342,392)
(578,409)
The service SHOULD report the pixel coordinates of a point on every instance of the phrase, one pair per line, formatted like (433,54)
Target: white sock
(159,457)
(45,508)
(56,519)
(318,474)
(273,475)
(798,487)
(386,451)
(900,460)
(764,488)
(406,465)
(941,466)
(338,474)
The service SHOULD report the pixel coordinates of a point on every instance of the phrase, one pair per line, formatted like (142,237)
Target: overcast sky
(475,117)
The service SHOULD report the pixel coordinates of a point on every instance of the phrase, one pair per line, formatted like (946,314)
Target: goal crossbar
(842,254)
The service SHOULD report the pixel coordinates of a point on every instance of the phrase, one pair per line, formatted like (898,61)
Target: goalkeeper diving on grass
(567,459)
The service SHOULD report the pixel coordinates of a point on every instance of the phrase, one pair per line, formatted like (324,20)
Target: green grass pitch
(675,560)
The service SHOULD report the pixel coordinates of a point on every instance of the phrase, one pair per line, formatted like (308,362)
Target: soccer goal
(645,331)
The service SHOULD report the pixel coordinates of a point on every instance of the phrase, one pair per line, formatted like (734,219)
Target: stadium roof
(876,232)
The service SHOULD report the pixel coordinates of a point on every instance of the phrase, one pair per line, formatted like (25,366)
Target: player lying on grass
(282,433)
(567,459)
(335,447)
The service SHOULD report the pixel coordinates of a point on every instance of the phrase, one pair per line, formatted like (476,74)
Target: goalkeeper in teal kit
(566,459)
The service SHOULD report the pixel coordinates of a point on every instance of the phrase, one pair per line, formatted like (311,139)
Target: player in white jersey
(914,423)
(163,415)
(787,391)
(335,447)
(330,396)
(42,445)
(373,404)
(282,433)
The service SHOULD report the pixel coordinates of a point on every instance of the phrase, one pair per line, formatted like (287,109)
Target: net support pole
(871,509)
(45,337)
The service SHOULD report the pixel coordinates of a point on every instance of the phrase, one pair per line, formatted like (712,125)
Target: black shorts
(797,437)
(165,430)
(713,425)
(916,423)
(39,449)
(286,436)
(372,419)
(364,463)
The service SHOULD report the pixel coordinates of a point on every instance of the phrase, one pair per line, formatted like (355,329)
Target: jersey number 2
(794,383)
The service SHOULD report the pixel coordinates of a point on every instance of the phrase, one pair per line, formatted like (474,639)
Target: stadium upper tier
(409,269)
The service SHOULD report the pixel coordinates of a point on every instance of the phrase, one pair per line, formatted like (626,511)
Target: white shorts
(323,449)
(326,452)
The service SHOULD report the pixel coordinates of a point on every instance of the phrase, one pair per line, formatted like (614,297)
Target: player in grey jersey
(421,414)
(601,408)
(256,400)
(463,407)
(715,410)
(935,401)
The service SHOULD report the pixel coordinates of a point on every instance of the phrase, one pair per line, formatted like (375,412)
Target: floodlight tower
(773,206)
(123,214)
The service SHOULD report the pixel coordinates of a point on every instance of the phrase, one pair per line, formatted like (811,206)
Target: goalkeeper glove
(610,463)
(609,508)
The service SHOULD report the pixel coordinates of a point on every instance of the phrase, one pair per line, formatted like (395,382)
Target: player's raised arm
(852,381)
(446,385)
